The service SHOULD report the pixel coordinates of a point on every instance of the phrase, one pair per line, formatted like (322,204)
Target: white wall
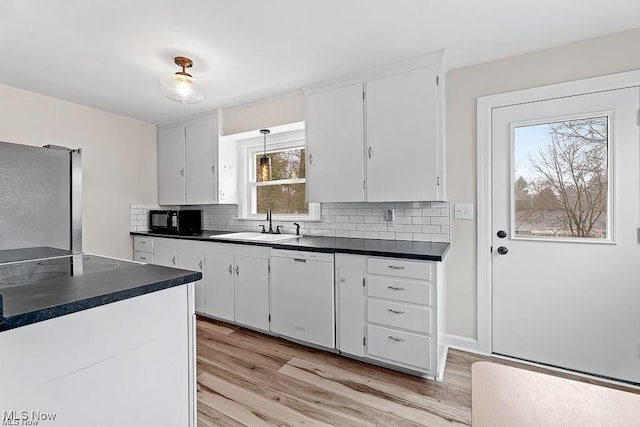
(266,113)
(604,55)
(118,160)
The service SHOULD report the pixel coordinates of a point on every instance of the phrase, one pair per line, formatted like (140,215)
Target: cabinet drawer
(143,244)
(143,257)
(400,268)
(399,315)
(402,347)
(399,290)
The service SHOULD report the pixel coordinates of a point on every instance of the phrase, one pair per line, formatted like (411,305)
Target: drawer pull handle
(396,267)
(395,288)
(230,269)
(396,339)
(391,310)
(300,260)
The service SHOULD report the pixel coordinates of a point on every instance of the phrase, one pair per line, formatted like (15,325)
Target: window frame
(247,185)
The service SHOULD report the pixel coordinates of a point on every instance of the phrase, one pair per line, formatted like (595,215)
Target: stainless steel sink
(255,237)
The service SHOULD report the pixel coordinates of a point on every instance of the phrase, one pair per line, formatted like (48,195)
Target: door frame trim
(485,105)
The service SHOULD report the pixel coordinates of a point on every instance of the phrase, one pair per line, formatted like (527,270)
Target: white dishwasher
(302,296)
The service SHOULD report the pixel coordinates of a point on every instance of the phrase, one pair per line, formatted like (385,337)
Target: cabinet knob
(182,172)
(343,279)
(237,270)
(213,169)
(230,269)
(173,260)
(502,250)
(310,158)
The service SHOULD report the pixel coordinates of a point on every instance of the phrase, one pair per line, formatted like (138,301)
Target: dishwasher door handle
(300,260)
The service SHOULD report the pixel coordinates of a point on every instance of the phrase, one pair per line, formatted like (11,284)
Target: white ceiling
(110,54)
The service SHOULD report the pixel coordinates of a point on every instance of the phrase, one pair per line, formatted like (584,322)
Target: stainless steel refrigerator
(40,197)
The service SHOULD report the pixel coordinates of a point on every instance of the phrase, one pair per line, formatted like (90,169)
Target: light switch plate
(463,210)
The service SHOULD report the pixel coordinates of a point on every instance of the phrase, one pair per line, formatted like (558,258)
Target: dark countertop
(44,288)
(426,251)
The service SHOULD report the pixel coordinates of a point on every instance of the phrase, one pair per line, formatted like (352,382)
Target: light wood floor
(251,379)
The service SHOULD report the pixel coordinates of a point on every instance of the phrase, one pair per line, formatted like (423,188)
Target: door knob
(502,234)
(502,250)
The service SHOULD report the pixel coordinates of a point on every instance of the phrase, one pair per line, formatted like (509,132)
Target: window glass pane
(285,164)
(561,179)
(286,199)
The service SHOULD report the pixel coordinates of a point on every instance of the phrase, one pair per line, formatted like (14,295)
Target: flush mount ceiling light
(181,86)
(264,165)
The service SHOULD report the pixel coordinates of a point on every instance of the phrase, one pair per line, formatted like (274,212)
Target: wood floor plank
(261,407)
(232,411)
(216,328)
(309,399)
(387,392)
(412,414)
(249,378)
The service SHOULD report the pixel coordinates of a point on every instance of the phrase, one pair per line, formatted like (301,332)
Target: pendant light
(181,86)
(264,165)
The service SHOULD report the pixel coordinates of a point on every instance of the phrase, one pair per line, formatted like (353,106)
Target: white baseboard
(460,343)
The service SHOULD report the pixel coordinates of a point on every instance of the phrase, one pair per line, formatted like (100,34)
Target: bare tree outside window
(285,193)
(561,189)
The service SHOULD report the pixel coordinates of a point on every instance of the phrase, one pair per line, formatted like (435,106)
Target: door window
(561,184)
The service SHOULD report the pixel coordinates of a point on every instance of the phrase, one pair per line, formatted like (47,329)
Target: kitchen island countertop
(426,251)
(38,284)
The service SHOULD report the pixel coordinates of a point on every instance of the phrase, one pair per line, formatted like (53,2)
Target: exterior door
(565,251)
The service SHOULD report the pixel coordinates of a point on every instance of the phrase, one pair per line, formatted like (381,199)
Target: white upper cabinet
(171,166)
(378,136)
(402,137)
(335,129)
(200,161)
(188,165)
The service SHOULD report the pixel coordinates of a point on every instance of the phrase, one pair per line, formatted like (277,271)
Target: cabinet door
(252,291)
(171,166)
(335,145)
(218,285)
(192,260)
(166,256)
(200,161)
(402,137)
(350,320)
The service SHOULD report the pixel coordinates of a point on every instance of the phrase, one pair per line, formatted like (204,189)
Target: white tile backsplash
(418,221)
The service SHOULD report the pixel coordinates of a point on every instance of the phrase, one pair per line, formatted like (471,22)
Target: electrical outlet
(463,211)
(391,215)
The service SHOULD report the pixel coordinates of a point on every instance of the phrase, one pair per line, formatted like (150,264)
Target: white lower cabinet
(387,311)
(192,260)
(251,291)
(386,308)
(235,278)
(218,290)
(350,273)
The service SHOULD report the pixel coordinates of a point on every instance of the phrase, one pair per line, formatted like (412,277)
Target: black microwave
(175,222)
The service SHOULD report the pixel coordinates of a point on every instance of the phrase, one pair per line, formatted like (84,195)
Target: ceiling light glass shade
(182,88)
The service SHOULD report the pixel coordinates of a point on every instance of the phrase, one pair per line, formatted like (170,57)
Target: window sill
(280,218)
